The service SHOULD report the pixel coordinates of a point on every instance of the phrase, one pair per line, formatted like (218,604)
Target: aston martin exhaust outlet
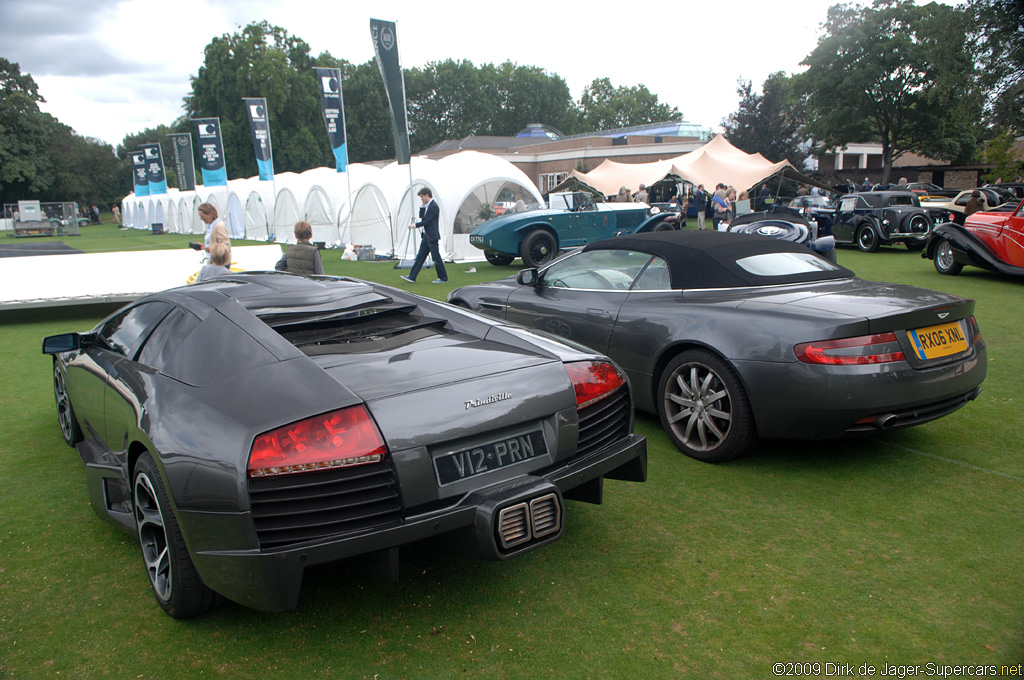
(885,420)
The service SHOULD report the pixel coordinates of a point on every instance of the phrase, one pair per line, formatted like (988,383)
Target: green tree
(25,168)
(528,94)
(1000,153)
(262,61)
(997,35)
(447,100)
(768,123)
(605,107)
(895,73)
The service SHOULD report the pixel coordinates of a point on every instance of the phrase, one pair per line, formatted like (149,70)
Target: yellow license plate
(939,341)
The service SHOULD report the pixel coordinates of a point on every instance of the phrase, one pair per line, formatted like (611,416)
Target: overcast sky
(109,68)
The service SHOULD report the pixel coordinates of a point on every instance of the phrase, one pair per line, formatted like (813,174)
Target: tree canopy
(605,107)
(997,37)
(768,123)
(41,158)
(896,73)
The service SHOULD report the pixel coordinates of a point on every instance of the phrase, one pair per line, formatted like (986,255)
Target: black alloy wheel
(704,408)
(172,575)
(69,428)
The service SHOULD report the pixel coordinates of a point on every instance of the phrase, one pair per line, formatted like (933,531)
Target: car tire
(914,246)
(172,575)
(498,259)
(538,248)
(944,261)
(867,238)
(662,226)
(69,428)
(704,408)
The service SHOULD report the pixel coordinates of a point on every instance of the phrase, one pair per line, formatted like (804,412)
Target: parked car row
(248,427)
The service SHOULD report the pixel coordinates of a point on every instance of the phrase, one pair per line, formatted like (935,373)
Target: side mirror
(528,277)
(65,342)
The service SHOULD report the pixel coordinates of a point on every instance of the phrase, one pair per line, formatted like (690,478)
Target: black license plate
(454,467)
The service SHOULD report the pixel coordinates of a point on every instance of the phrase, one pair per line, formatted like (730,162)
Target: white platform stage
(75,279)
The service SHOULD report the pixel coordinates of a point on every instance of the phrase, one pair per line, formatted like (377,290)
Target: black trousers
(428,246)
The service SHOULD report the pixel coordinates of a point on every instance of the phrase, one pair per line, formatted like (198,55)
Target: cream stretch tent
(717,161)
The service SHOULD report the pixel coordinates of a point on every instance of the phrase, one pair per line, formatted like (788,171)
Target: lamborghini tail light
(337,439)
(593,380)
(882,348)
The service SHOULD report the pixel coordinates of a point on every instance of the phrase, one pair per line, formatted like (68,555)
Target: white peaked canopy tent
(717,161)
(366,205)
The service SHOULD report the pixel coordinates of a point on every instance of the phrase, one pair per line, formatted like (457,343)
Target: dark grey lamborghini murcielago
(252,426)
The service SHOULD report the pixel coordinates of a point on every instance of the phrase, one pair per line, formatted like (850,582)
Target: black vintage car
(869,219)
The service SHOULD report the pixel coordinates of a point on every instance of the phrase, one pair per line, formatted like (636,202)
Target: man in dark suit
(429,215)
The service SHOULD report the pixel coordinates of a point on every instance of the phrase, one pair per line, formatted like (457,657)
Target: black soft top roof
(707,259)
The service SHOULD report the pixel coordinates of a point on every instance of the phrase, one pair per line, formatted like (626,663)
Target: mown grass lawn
(901,549)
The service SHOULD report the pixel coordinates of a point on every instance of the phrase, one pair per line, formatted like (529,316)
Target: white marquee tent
(366,205)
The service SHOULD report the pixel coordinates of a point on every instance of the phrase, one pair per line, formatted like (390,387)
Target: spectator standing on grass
(641,196)
(216,230)
(976,203)
(116,212)
(700,203)
(303,258)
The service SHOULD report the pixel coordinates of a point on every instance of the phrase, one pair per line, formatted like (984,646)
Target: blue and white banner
(385,46)
(184,163)
(331,103)
(139,172)
(155,174)
(211,152)
(256,107)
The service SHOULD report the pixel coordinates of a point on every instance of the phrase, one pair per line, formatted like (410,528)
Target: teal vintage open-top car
(538,235)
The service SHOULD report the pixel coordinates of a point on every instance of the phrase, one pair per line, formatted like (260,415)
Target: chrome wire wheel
(152,537)
(704,408)
(945,263)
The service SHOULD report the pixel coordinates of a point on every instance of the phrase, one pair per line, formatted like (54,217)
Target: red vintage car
(992,239)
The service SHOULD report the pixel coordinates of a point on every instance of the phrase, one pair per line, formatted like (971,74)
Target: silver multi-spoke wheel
(704,408)
(152,537)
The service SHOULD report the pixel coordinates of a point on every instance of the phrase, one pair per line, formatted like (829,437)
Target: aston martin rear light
(882,348)
(593,381)
(975,331)
(333,440)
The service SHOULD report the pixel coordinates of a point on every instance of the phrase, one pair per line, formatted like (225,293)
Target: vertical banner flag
(184,164)
(385,46)
(155,169)
(139,173)
(334,113)
(211,152)
(260,124)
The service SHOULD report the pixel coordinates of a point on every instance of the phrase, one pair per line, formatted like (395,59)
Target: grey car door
(578,297)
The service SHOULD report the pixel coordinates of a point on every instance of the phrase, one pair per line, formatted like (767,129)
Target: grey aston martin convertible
(257,424)
(734,337)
